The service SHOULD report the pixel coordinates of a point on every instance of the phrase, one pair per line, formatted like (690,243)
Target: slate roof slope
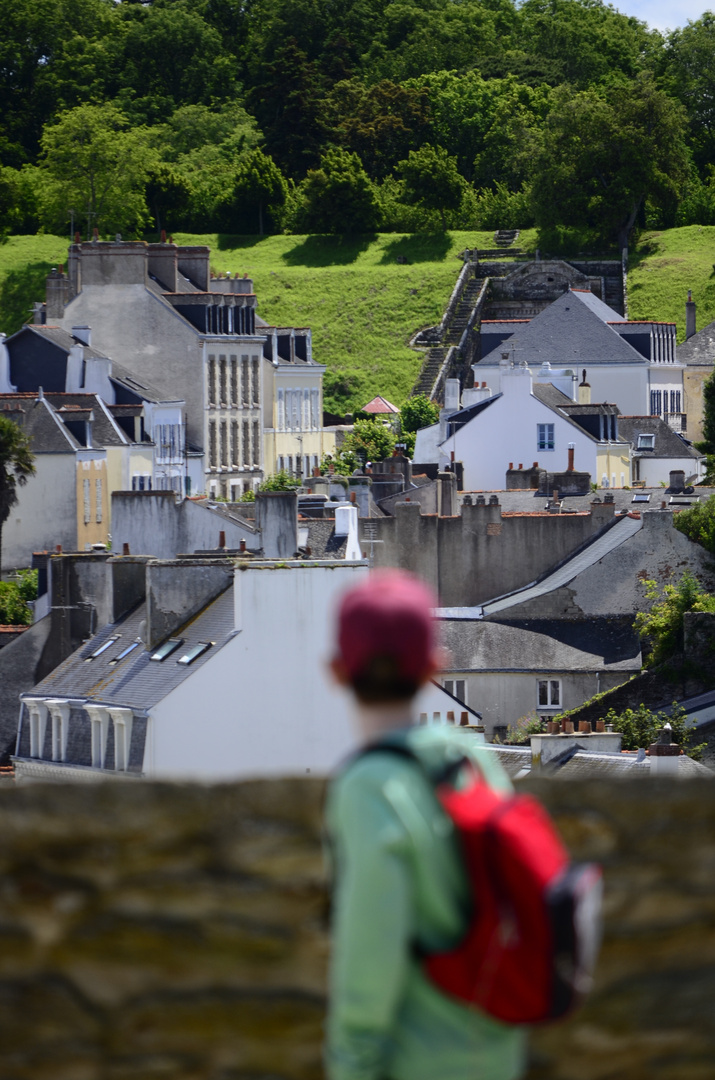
(568,333)
(104,430)
(541,645)
(62,339)
(140,387)
(38,420)
(699,349)
(322,541)
(138,682)
(623,529)
(596,305)
(668,443)
(531,502)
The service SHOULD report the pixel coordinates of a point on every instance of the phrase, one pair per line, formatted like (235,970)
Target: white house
(630,363)
(220,673)
(527,423)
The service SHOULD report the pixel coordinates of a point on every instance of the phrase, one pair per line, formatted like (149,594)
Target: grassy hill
(363,306)
(663,266)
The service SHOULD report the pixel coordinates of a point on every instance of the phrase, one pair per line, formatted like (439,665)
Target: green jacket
(400,881)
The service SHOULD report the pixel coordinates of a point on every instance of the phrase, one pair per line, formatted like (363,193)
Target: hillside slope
(663,266)
(362,306)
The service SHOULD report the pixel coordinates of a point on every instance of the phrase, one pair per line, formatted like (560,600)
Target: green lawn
(662,268)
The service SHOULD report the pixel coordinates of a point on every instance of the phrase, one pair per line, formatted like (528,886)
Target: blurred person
(401,889)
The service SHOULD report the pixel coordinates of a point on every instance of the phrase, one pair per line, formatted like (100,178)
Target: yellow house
(92,498)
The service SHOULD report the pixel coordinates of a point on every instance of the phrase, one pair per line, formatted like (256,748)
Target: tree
(698,523)
(418,412)
(432,180)
(337,197)
(16,465)
(259,186)
(96,167)
(370,440)
(662,626)
(600,155)
(640,727)
(690,67)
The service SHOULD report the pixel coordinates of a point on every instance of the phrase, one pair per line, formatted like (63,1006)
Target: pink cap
(389,615)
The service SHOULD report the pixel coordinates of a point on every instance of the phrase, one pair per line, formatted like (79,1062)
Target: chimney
(95,236)
(584,391)
(571,454)
(277,519)
(689,316)
(83,334)
(222,539)
(57,294)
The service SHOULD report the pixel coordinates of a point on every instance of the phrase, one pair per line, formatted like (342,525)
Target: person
(400,887)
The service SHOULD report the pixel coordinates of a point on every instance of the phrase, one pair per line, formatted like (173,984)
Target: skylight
(125,652)
(194,652)
(167,648)
(641,497)
(646,442)
(103,648)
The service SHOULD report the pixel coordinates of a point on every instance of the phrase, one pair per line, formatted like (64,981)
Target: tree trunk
(624,231)
(260,219)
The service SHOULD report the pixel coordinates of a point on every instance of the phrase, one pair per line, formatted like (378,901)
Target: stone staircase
(505,237)
(459,321)
(430,370)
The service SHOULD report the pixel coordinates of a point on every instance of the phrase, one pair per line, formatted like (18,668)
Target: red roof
(380,405)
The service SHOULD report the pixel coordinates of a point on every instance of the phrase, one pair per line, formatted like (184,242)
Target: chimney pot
(464,719)
(450,717)
(77,238)
(571,455)
(520,465)
(163,236)
(58,549)
(535,465)
(95,235)
(242,546)
(222,539)
(125,548)
(511,464)
(353,497)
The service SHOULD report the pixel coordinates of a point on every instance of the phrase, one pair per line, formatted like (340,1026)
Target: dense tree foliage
(559,111)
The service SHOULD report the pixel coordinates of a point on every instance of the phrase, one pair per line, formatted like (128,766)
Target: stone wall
(483,553)
(180,932)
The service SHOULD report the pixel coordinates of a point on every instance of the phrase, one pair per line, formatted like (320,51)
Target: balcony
(676,421)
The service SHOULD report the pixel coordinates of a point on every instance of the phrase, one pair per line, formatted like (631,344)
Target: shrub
(640,727)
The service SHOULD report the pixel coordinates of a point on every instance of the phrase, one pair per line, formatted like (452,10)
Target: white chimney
(83,334)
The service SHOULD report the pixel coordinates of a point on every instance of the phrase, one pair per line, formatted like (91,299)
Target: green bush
(518,734)
(640,727)
(662,626)
(698,523)
(14,609)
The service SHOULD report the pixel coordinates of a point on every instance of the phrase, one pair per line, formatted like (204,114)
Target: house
(528,421)
(697,354)
(658,451)
(188,680)
(161,314)
(535,667)
(57,361)
(633,364)
(79,448)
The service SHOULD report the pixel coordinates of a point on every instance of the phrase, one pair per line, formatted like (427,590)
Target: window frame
(547,442)
(549,684)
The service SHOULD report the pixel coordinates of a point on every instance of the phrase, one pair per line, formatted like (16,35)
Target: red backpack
(534,931)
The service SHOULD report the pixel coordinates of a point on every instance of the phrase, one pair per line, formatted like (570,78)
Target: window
(256,444)
(656,402)
(256,371)
(246,443)
(234,381)
(235,447)
(60,715)
(549,693)
(244,380)
(314,409)
(281,422)
(213,450)
(98,501)
(646,442)
(125,652)
(224,443)
(456,687)
(194,652)
(223,394)
(212,380)
(544,436)
(675,401)
(103,648)
(122,737)
(641,498)
(87,512)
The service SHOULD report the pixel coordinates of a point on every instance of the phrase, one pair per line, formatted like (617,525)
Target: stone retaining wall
(179,932)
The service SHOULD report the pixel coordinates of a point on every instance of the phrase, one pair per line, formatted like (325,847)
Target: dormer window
(646,442)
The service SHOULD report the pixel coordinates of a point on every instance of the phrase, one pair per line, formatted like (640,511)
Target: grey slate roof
(568,333)
(62,339)
(668,444)
(37,418)
(622,530)
(547,645)
(531,502)
(323,542)
(137,682)
(593,303)
(699,350)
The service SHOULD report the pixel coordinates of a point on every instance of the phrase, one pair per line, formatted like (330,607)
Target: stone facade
(180,931)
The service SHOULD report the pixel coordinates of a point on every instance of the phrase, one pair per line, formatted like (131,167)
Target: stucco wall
(45,514)
(154,523)
(693,379)
(153,930)
(473,558)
